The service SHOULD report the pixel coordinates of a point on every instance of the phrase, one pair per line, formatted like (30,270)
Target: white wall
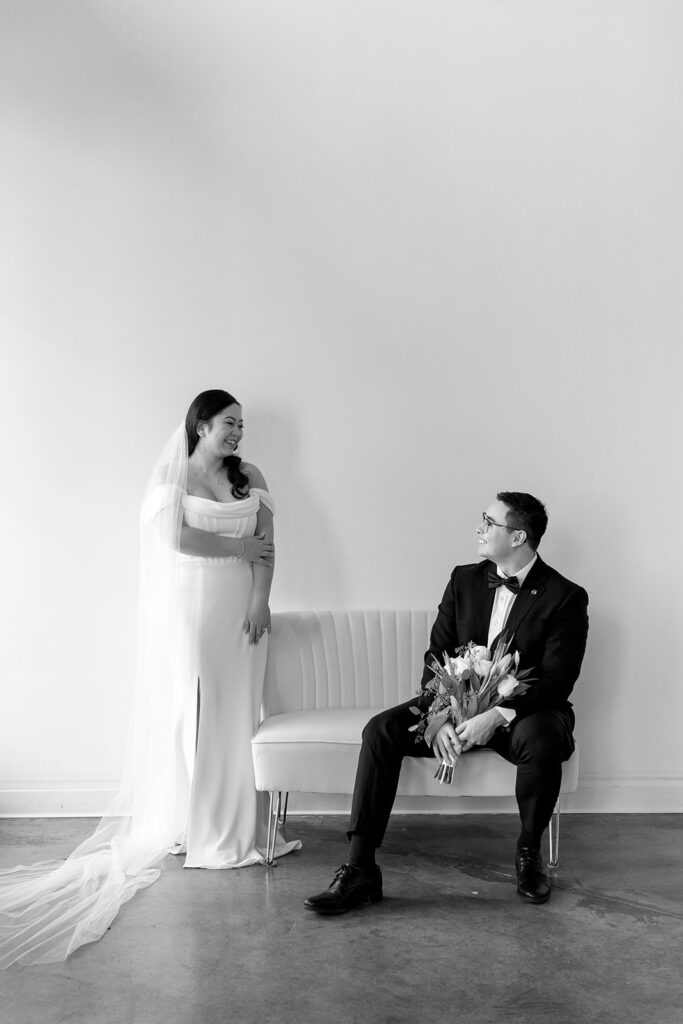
(435,249)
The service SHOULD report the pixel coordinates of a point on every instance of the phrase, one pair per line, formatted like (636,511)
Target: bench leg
(273,818)
(554,836)
(283,816)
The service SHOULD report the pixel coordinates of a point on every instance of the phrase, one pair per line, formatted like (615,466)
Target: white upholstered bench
(328,673)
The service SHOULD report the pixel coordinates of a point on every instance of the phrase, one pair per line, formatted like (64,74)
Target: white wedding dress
(187,782)
(222,820)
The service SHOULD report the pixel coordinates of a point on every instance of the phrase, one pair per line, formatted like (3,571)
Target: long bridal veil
(48,910)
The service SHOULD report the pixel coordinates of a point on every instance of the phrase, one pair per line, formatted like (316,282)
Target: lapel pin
(533,593)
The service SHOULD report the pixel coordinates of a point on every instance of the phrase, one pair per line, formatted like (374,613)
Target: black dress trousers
(537,743)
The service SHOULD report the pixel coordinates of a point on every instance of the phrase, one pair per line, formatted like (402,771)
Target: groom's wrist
(506,716)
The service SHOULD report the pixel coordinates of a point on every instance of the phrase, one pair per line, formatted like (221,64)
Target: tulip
(507,686)
(503,665)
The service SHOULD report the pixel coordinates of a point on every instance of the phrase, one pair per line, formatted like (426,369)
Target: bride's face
(223,432)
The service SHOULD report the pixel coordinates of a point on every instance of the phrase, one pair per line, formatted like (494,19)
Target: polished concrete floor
(451,941)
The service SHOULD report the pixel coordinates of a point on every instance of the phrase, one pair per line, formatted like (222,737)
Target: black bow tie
(511,582)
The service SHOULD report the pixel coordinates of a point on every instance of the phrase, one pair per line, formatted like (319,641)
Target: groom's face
(495,542)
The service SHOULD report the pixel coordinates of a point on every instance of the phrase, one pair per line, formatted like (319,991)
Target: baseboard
(596,795)
(599,794)
(58,799)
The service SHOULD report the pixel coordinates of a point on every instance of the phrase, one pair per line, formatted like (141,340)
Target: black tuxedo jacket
(548,622)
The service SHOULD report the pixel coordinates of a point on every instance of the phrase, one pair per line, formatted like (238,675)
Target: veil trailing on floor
(48,910)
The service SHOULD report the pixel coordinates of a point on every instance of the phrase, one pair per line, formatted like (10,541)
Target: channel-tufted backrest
(344,659)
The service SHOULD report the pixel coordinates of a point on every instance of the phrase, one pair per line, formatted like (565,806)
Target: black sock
(361,852)
(529,840)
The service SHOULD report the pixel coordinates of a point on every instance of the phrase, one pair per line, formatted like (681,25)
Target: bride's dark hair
(203,408)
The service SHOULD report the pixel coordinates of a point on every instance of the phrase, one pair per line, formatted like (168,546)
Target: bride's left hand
(257,621)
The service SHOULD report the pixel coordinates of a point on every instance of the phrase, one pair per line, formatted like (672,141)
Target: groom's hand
(478,730)
(446,744)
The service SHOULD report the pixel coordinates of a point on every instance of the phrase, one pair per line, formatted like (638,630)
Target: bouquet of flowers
(470,682)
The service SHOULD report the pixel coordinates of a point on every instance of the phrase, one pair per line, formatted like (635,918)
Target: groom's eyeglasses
(487,523)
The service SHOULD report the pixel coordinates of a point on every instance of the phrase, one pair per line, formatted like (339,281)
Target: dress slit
(199,706)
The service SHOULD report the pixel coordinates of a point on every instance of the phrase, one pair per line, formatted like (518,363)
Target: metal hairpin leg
(283,817)
(273,818)
(554,836)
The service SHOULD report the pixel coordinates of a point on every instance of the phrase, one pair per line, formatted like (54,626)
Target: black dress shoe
(350,888)
(533,885)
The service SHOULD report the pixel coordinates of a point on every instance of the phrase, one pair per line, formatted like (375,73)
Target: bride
(206,566)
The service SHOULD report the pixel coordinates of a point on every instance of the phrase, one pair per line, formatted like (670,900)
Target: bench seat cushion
(316,751)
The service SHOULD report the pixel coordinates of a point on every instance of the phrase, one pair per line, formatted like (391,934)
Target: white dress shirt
(502,603)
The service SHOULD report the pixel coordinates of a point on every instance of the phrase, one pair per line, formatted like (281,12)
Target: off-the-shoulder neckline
(214,501)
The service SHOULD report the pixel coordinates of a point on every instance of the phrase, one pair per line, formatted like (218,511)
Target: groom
(515,591)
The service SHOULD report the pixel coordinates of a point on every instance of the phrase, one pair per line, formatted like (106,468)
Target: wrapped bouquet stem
(471,681)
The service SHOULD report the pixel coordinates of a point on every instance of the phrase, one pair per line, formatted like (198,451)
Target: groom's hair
(525,513)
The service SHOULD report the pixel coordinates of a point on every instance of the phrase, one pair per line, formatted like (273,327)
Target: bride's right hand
(259,550)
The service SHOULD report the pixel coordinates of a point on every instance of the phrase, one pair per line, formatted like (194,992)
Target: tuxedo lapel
(531,590)
(483,602)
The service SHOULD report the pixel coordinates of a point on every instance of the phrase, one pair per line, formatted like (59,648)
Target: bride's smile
(223,432)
